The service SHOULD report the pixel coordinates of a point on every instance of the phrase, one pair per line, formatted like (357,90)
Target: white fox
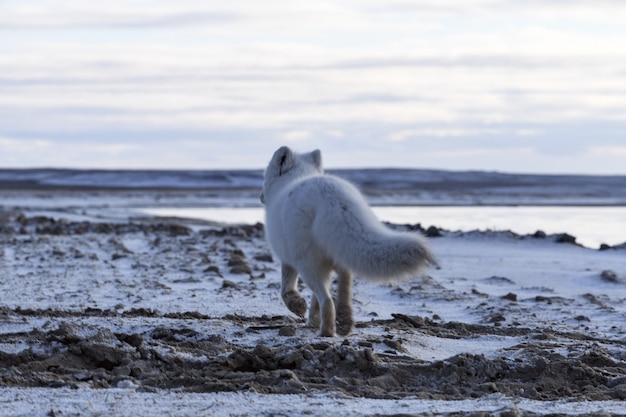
(316,223)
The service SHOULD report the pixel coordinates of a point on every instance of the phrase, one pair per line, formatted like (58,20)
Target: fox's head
(287,165)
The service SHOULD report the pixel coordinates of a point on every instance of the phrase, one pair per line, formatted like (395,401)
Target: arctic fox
(317,223)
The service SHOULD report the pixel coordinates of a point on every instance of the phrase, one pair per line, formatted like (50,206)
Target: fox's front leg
(289,291)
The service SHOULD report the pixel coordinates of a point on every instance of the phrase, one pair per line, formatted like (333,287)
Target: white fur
(316,223)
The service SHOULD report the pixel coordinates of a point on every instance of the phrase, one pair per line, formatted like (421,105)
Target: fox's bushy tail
(372,250)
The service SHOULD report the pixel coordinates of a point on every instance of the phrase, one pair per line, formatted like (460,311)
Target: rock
(126,384)
(264,257)
(123,370)
(433,231)
(214,269)
(242,269)
(135,339)
(238,264)
(230,284)
(496,318)
(621,246)
(565,238)
(395,345)
(609,276)
(510,296)
(287,331)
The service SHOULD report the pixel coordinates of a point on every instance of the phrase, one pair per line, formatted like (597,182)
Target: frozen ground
(102,314)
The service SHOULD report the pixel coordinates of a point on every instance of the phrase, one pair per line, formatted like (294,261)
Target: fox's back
(316,209)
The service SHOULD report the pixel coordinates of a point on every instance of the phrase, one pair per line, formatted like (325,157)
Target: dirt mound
(79,354)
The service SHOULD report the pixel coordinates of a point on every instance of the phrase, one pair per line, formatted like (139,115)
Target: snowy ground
(110,315)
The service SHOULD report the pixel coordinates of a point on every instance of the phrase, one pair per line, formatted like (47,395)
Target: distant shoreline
(398,187)
(247,196)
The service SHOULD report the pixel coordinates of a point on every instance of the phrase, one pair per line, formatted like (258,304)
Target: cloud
(296,136)
(464,153)
(107,150)
(386,76)
(336,134)
(541,8)
(611,151)
(12,145)
(442,132)
(77,15)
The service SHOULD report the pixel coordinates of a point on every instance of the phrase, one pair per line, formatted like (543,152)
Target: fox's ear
(283,160)
(316,155)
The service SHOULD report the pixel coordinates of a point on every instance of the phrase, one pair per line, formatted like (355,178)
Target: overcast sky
(507,85)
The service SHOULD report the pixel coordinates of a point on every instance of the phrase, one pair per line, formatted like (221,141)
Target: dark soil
(180,357)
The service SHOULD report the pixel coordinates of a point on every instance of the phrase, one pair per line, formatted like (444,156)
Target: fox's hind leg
(314,313)
(317,276)
(289,291)
(345,323)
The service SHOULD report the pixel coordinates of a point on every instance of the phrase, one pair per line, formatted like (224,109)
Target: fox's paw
(328,327)
(327,333)
(295,303)
(345,327)
(345,322)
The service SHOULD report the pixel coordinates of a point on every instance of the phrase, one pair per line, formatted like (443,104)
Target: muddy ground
(75,347)
(169,357)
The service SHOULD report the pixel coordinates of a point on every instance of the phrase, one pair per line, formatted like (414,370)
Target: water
(592,208)
(591,226)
